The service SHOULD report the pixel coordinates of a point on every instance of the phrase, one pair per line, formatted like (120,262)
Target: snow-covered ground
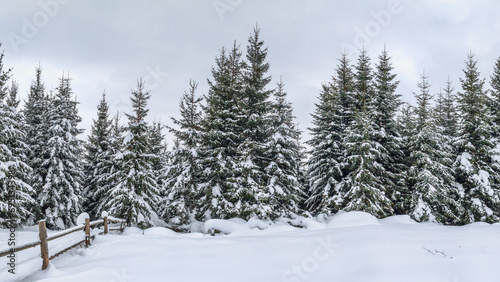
(347,247)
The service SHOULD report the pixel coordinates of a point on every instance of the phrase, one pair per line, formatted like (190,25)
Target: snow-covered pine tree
(136,193)
(325,162)
(406,125)
(174,207)
(433,198)
(60,197)
(15,193)
(223,135)
(115,147)
(386,104)
(35,113)
(477,172)
(363,184)
(283,155)
(364,189)
(333,114)
(182,173)
(495,100)
(253,193)
(99,161)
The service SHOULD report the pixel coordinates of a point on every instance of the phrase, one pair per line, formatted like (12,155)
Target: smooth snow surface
(350,246)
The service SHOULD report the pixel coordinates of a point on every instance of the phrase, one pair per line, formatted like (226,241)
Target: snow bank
(351,219)
(255,222)
(397,219)
(311,224)
(390,252)
(160,231)
(226,226)
(393,251)
(132,231)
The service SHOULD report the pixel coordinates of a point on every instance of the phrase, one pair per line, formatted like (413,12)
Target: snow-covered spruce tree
(495,100)
(136,194)
(386,131)
(15,192)
(115,146)
(60,197)
(35,112)
(182,173)
(433,197)
(283,154)
(364,189)
(223,135)
(253,194)
(406,124)
(99,161)
(324,166)
(333,114)
(174,208)
(362,183)
(476,171)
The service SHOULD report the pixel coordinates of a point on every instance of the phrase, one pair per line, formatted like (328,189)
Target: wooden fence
(44,239)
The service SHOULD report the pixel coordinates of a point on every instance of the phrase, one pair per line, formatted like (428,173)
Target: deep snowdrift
(350,246)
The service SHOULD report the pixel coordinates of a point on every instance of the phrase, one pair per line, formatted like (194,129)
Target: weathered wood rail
(44,239)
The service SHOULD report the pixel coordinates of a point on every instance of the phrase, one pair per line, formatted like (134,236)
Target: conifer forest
(237,150)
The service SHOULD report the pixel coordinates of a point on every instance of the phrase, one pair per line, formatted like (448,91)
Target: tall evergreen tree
(325,164)
(333,114)
(253,193)
(477,172)
(386,132)
(35,112)
(364,189)
(182,175)
(223,135)
(99,161)
(115,148)
(60,196)
(15,193)
(283,152)
(406,124)
(430,175)
(136,194)
(363,174)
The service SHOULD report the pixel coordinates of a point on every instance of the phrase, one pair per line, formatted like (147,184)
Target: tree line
(237,151)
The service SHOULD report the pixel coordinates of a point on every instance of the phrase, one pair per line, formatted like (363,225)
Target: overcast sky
(108,45)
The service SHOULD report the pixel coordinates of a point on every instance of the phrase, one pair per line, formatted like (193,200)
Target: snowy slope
(348,247)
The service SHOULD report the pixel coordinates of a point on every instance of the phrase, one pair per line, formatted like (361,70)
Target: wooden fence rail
(44,239)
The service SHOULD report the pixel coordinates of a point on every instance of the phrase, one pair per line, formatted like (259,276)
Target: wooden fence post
(44,248)
(87,232)
(105,225)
